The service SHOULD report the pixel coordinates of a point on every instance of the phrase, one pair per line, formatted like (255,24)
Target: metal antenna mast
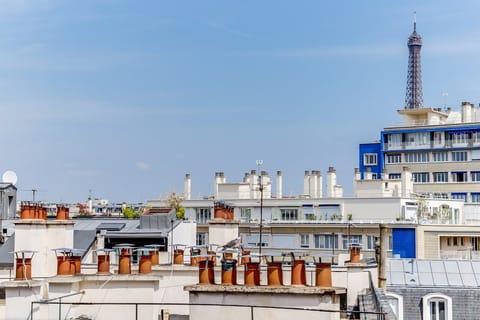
(414,96)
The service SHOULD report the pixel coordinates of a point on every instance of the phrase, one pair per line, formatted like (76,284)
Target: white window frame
(437,297)
(399,298)
(370,159)
(459,156)
(394,158)
(440,177)
(289,214)
(304,240)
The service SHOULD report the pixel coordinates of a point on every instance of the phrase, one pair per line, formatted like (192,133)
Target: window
(416,157)
(395,176)
(475,197)
(418,138)
(460,176)
(254,240)
(475,176)
(440,156)
(437,138)
(370,159)
(440,177)
(346,239)
(421,177)
(203,215)
(245,214)
(394,158)
(289,214)
(371,242)
(396,302)
(476,137)
(459,196)
(437,306)
(459,138)
(459,155)
(394,140)
(326,241)
(305,240)
(201,239)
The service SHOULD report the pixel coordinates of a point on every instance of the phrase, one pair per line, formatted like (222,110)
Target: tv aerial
(9,176)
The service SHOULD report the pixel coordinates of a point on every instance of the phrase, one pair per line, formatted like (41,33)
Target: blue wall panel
(371,148)
(404,242)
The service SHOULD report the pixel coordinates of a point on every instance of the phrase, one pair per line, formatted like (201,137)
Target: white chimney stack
(217,181)
(188,187)
(407,182)
(466,112)
(331,182)
(319,185)
(313,184)
(279,185)
(306,183)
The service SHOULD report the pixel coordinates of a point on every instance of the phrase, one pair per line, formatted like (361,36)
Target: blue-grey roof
(83,239)
(433,273)
(6,256)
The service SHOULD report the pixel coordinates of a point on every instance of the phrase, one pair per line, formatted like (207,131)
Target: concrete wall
(274,297)
(43,236)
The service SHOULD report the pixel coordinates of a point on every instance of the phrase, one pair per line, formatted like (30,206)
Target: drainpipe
(382,263)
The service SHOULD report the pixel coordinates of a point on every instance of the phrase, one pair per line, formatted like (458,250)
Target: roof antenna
(414,21)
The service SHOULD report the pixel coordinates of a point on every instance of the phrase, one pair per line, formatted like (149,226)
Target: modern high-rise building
(440,146)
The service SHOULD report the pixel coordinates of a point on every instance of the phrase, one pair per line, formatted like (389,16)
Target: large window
(459,196)
(394,140)
(370,159)
(416,157)
(440,177)
(437,306)
(289,214)
(418,139)
(460,176)
(475,197)
(459,138)
(326,241)
(203,215)
(421,177)
(459,155)
(476,137)
(475,176)
(394,158)
(440,156)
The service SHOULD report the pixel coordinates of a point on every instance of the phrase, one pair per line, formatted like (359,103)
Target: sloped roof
(433,273)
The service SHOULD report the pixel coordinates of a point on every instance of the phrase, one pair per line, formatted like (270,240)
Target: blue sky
(124,97)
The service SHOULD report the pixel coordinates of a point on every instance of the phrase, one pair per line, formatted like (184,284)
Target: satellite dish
(9,176)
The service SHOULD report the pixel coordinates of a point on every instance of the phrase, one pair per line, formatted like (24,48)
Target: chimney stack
(331,182)
(279,185)
(188,187)
(306,183)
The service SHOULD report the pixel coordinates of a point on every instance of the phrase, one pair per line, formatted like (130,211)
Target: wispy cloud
(465,46)
(18,6)
(333,51)
(142,165)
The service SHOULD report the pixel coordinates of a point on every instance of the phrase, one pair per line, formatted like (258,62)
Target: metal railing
(344,314)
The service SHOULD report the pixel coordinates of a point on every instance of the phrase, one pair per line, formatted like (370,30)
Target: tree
(131,213)
(175,202)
